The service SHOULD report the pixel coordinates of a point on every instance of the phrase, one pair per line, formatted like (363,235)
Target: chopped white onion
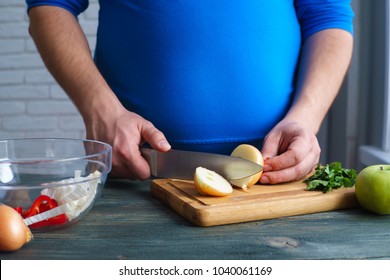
(78,194)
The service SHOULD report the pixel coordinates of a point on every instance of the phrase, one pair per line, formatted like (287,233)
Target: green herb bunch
(331,176)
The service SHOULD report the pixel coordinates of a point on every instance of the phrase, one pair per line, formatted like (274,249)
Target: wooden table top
(127,222)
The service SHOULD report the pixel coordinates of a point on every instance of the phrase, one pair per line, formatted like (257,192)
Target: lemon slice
(208,182)
(250,153)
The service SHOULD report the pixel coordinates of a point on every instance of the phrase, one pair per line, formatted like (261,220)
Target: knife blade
(180,164)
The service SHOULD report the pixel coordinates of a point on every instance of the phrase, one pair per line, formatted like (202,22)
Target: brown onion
(14,233)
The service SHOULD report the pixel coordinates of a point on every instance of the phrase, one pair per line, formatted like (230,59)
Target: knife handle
(151,157)
(146,153)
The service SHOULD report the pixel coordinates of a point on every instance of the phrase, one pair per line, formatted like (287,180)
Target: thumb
(155,137)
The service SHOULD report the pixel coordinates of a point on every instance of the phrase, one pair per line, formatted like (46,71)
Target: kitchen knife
(182,164)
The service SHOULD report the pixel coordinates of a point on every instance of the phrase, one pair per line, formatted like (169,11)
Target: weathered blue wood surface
(128,223)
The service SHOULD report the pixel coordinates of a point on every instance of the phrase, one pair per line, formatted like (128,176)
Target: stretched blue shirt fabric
(210,74)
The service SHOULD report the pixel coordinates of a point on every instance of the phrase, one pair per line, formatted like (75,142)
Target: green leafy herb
(331,176)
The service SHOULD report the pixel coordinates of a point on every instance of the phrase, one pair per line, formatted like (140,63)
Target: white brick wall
(31,102)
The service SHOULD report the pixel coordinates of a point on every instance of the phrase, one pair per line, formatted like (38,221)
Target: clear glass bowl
(54,182)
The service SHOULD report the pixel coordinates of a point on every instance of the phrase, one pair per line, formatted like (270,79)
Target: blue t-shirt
(210,74)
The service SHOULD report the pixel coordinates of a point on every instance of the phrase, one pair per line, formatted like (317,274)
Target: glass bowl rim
(107,150)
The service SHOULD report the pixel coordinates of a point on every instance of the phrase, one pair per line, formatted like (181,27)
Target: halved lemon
(209,182)
(250,153)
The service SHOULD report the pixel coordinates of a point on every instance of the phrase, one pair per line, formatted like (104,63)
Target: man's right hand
(125,133)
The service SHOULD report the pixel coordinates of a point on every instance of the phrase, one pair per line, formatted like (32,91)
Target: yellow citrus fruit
(209,182)
(250,153)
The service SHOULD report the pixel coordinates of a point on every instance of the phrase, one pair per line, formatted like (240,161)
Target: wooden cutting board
(260,202)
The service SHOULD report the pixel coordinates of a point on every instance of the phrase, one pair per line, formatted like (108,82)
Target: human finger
(294,155)
(154,137)
(128,161)
(292,165)
(271,145)
(293,173)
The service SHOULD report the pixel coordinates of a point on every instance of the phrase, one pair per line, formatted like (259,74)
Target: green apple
(372,188)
